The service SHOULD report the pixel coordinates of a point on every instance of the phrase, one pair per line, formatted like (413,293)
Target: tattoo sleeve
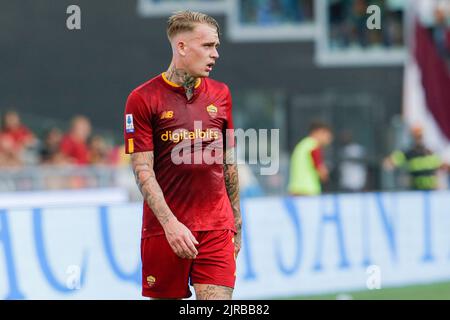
(232,185)
(142,163)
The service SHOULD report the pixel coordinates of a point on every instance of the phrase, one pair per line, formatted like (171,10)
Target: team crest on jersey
(212,110)
(151,281)
(129,125)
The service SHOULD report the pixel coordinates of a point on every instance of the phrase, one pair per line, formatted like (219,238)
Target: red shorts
(165,275)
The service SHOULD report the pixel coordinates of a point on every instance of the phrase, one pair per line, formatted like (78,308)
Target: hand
(323,173)
(237,244)
(181,239)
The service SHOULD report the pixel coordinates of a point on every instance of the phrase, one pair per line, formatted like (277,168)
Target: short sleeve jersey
(187,138)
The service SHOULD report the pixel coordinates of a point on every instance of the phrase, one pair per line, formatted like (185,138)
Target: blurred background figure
(9,157)
(421,163)
(74,144)
(352,164)
(18,140)
(52,161)
(74,147)
(50,153)
(308,170)
(99,151)
(348,24)
(441,33)
(275,12)
(435,16)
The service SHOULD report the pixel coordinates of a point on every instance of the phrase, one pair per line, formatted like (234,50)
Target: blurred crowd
(348,24)
(275,12)
(19,146)
(68,158)
(75,146)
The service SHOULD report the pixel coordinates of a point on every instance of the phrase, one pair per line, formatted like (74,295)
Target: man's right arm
(319,164)
(178,235)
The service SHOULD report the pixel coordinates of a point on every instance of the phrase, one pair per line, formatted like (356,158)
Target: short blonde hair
(182,21)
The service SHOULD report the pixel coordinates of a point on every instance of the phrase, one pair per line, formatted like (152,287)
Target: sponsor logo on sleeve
(129,125)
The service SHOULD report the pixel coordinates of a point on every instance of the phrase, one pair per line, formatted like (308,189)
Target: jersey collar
(177,86)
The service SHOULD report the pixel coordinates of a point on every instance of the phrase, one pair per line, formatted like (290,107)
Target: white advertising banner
(291,246)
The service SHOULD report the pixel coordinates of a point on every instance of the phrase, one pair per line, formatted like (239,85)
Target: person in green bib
(308,170)
(421,163)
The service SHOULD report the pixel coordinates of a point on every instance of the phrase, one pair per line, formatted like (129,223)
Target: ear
(181,48)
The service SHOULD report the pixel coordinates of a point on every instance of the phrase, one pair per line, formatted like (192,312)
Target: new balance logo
(167,115)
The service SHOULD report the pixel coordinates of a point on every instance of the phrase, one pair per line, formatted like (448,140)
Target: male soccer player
(191,220)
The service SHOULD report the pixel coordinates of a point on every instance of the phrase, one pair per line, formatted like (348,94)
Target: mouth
(210,66)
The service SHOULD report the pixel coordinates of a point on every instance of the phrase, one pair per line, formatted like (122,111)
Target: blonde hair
(183,21)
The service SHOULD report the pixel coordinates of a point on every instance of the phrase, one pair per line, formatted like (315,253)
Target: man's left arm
(232,185)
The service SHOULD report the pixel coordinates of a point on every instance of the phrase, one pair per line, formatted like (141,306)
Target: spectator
(50,151)
(12,126)
(308,169)
(98,150)
(358,19)
(9,157)
(441,30)
(74,143)
(352,167)
(348,24)
(275,12)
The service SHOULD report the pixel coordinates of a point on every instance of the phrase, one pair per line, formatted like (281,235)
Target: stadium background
(281,76)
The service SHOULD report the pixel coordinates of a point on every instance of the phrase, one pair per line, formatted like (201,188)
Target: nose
(215,54)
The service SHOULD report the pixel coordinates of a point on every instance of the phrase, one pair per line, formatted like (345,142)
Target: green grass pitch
(435,291)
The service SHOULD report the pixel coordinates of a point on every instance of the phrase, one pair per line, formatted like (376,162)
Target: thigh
(164,274)
(212,292)
(214,269)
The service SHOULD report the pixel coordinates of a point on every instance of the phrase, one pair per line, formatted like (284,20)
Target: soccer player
(308,170)
(191,219)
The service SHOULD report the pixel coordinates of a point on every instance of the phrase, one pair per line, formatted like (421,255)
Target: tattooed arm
(178,235)
(230,171)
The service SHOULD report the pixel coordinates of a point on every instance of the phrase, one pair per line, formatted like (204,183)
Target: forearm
(323,173)
(232,186)
(142,164)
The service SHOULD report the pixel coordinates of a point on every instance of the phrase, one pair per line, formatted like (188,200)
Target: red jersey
(160,118)
(76,150)
(21,136)
(316,155)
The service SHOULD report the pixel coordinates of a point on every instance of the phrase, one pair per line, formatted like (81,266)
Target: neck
(317,139)
(181,77)
(77,138)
